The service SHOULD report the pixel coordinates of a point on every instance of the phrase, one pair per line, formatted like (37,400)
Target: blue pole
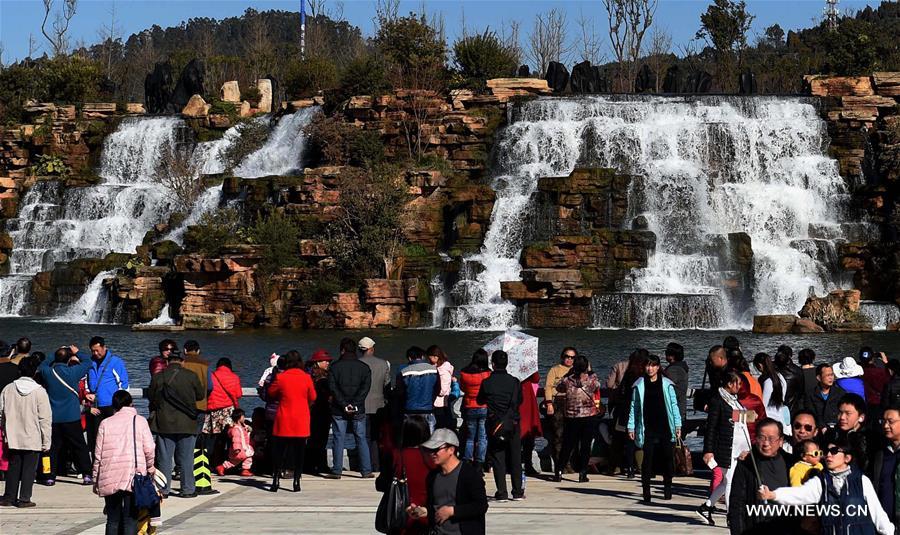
(302,29)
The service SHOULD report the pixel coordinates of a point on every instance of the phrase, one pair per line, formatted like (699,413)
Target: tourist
(731,343)
(875,378)
(62,384)
(848,374)
(750,402)
(529,421)
(890,397)
(677,371)
(349,381)
(580,422)
(22,350)
(272,407)
(766,459)
(273,366)
(201,368)
(725,440)
(622,441)
(223,399)
(124,448)
(616,373)
(556,401)
(846,487)
(9,371)
(502,395)
(416,386)
(295,393)
(376,399)
(173,395)
(809,463)
(655,424)
(824,398)
(774,390)
(106,376)
(159,362)
(408,462)
(886,465)
(316,459)
(443,415)
(807,358)
(803,427)
(457,502)
(740,364)
(793,376)
(851,421)
(716,364)
(240,450)
(474,413)
(26,420)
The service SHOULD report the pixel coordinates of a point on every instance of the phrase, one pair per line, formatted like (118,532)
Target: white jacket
(26,416)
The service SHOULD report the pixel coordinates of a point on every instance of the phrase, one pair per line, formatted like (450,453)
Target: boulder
(208,322)
(246,110)
(645,81)
(265,95)
(158,86)
(557,77)
(231,92)
(672,81)
(195,107)
(774,324)
(523,72)
(585,79)
(135,108)
(837,308)
(839,86)
(190,83)
(699,82)
(805,326)
(747,83)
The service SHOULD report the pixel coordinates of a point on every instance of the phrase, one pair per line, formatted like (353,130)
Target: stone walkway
(348,506)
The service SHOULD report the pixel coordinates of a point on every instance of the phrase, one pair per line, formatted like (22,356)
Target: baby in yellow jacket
(809,464)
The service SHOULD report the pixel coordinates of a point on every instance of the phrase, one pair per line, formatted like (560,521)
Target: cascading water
(705,167)
(283,151)
(91,307)
(880,315)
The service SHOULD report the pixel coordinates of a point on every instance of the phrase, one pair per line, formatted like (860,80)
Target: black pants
(20,474)
(373,428)
(121,514)
(577,432)
(316,459)
(657,447)
(528,452)
(443,418)
(69,434)
(282,447)
(503,455)
(93,424)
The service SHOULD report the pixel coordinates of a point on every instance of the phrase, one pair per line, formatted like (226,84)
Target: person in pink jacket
(118,437)
(240,451)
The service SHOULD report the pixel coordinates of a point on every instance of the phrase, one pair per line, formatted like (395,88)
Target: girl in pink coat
(240,451)
(115,459)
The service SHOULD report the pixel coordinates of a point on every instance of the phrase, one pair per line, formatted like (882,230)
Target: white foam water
(880,315)
(282,152)
(92,306)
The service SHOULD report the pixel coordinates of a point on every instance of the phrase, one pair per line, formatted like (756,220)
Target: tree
(629,21)
(773,36)
(659,56)
(547,41)
(589,47)
(111,40)
(724,26)
(59,41)
(483,56)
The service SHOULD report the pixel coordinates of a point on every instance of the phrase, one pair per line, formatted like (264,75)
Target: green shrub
(366,148)
(319,290)
(281,236)
(306,77)
(482,57)
(333,141)
(434,162)
(215,231)
(362,76)
(252,95)
(218,106)
(415,49)
(50,165)
(62,79)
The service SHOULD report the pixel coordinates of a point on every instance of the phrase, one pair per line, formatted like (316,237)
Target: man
(803,427)
(106,375)
(416,387)
(677,372)
(807,358)
(158,363)
(851,424)
(772,467)
(376,399)
(194,363)
(23,349)
(875,378)
(731,343)
(556,401)
(886,465)
(824,399)
(9,372)
(792,374)
(174,393)
(62,381)
(502,394)
(457,501)
(716,362)
(349,381)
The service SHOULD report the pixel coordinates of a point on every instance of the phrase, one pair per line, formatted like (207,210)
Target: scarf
(731,399)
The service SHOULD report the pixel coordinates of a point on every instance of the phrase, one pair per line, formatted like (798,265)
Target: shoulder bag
(145,495)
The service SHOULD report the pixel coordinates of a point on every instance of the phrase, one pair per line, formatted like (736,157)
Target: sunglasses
(834,450)
(806,427)
(815,453)
(430,451)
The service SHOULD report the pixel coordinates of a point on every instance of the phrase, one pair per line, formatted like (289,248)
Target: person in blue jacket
(106,375)
(655,424)
(416,386)
(61,380)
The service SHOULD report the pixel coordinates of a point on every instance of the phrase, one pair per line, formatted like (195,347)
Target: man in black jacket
(773,472)
(502,394)
(824,399)
(349,380)
(457,501)
(886,465)
(792,374)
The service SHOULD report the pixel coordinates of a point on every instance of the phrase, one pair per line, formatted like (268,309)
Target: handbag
(391,514)
(145,495)
(684,465)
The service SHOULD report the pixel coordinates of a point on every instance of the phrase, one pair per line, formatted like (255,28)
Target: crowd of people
(813,433)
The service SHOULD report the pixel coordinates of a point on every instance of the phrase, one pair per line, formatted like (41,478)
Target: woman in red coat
(529,421)
(295,392)
(408,462)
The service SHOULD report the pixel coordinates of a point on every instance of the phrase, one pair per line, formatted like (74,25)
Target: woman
(123,441)
(529,421)
(474,413)
(774,391)
(750,402)
(443,414)
(271,407)
(725,440)
(407,461)
(579,419)
(224,398)
(849,492)
(637,361)
(848,375)
(294,391)
(739,363)
(320,416)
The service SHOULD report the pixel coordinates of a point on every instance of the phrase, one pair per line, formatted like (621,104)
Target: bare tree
(629,21)
(385,11)
(509,36)
(33,46)
(547,41)
(178,173)
(259,46)
(59,41)
(110,34)
(589,46)
(659,55)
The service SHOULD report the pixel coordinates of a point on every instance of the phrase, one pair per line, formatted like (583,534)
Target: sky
(20,19)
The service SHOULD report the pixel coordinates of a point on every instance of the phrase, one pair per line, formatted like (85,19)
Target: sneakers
(220,470)
(518,498)
(501,498)
(331,475)
(87,480)
(23,504)
(187,495)
(47,482)
(583,478)
(246,473)
(370,475)
(706,513)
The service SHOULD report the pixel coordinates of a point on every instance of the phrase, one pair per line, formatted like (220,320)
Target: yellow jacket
(801,471)
(554,376)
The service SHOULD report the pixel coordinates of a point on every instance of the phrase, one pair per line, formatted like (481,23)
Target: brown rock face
(196,107)
(840,86)
(838,311)
(806,326)
(231,92)
(774,324)
(208,322)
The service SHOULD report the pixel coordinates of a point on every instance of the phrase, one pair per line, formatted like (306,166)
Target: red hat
(320,355)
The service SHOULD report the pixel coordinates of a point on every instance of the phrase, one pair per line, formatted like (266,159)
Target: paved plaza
(348,506)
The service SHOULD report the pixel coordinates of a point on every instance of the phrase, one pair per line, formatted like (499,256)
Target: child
(240,452)
(809,464)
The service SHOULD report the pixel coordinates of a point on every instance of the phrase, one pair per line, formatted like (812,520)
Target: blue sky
(681,18)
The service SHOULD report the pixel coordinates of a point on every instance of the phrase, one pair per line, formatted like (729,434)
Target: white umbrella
(522,350)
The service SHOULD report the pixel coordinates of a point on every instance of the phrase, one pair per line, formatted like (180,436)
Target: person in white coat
(774,387)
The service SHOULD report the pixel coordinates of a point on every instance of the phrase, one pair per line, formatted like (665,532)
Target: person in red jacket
(408,460)
(529,421)
(474,413)
(223,399)
(240,450)
(159,362)
(295,392)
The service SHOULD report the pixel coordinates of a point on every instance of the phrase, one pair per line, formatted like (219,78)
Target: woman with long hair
(320,414)
(295,392)
(774,389)
(474,413)
(408,462)
(580,422)
(443,415)
(622,409)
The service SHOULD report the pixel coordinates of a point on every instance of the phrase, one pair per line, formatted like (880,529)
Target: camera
(351,409)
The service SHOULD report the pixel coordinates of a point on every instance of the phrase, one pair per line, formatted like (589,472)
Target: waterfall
(282,152)
(880,315)
(91,306)
(207,202)
(164,317)
(704,167)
